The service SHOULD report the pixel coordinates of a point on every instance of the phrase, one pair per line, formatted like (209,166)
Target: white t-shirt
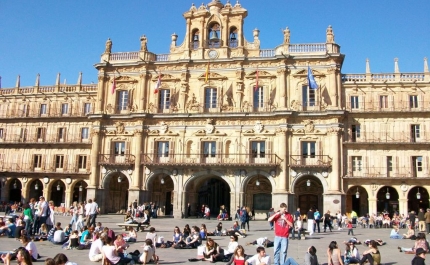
(31,247)
(255,260)
(231,247)
(88,209)
(109,252)
(96,248)
(43,207)
(260,241)
(150,252)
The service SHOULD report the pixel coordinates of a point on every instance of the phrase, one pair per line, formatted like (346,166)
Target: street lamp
(162,180)
(418,194)
(15,185)
(387,195)
(357,194)
(36,186)
(257,183)
(119,179)
(80,187)
(308,183)
(58,186)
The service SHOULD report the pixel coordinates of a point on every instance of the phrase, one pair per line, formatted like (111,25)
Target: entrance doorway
(307,201)
(418,198)
(214,192)
(15,191)
(117,193)
(308,191)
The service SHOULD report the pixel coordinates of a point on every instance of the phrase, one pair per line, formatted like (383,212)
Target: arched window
(214,33)
(195,41)
(232,39)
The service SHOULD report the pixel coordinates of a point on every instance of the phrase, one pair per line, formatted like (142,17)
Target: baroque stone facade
(231,124)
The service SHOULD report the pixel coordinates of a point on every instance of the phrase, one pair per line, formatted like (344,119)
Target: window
(84,133)
(413,101)
(389,163)
(383,102)
(357,164)
(87,108)
(40,133)
(164,99)
(59,161)
(354,102)
(258,149)
(122,100)
(209,149)
(37,161)
(64,109)
(259,97)
(415,132)
(232,43)
(1,133)
(163,149)
(308,149)
(61,134)
(308,96)
(82,162)
(210,98)
(23,109)
(417,163)
(43,109)
(355,132)
(119,148)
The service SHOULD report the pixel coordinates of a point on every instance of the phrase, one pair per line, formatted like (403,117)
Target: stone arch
(309,173)
(154,174)
(250,175)
(209,172)
(110,173)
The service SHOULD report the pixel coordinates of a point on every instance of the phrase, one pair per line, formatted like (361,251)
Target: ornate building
(231,124)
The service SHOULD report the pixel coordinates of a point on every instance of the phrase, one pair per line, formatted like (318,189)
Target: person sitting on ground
(73,240)
(120,245)
(86,238)
(193,240)
(203,232)
(30,247)
(68,230)
(132,235)
(61,259)
(333,253)
(95,253)
(410,234)
(43,233)
(395,233)
(3,228)
(148,254)
(259,258)
(217,231)
(232,245)
(420,242)
(9,228)
(235,230)
(19,229)
(98,227)
(352,255)
(151,234)
(238,257)
(23,257)
(177,240)
(213,252)
(110,253)
(310,258)
(372,254)
(186,231)
(59,237)
(261,242)
(420,256)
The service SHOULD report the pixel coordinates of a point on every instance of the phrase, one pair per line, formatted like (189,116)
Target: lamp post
(80,187)
(308,183)
(36,186)
(418,194)
(357,194)
(257,183)
(58,186)
(162,181)
(387,195)
(15,185)
(119,179)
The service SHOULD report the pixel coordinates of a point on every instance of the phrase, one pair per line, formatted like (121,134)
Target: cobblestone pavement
(164,227)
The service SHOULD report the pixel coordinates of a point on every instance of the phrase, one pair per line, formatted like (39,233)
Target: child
(68,230)
(73,240)
(349,226)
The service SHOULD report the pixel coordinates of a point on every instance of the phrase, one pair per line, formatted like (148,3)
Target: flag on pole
(256,81)
(113,85)
(158,85)
(207,73)
(311,80)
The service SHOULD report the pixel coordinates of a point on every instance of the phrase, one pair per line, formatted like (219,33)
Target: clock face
(213,54)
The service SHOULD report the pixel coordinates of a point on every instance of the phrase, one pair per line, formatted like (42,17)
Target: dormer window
(214,33)
(232,41)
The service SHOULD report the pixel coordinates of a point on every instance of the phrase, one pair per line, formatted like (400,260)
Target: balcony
(383,77)
(44,168)
(387,137)
(49,113)
(43,139)
(384,172)
(269,160)
(311,161)
(396,106)
(112,159)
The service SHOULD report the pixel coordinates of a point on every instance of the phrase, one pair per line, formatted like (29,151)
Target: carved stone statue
(330,35)
(143,43)
(193,104)
(286,35)
(108,48)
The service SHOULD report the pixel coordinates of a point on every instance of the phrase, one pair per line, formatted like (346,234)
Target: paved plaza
(164,227)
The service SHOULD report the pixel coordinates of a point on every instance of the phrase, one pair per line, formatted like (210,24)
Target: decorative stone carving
(286,35)
(143,43)
(309,126)
(119,127)
(295,105)
(329,35)
(108,47)
(193,104)
(109,108)
(163,127)
(209,128)
(258,127)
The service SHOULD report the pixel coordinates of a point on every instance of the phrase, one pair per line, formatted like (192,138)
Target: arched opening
(258,196)
(388,200)
(117,193)
(418,198)
(308,192)
(15,188)
(163,194)
(57,193)
(36,189)
(232,39)
(214,34)
(79,192)
(357,200)
(195,41)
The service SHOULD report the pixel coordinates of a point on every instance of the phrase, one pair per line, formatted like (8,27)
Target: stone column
(135,184)
(95,169)
(282,173)
(372,205)
(282,91)
(238,95)
(68,198)
(333,86)
(403,206)
(336,173)
(100,94)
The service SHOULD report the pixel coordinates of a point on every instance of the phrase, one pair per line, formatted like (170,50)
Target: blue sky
(54,36)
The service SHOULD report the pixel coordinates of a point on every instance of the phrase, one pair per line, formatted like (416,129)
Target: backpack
(48,211)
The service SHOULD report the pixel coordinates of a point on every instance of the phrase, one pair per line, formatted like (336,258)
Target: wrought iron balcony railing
(112,159)
(385,172)
(387,137)
(48,138)
(323,161)
(44,168)
(390,106)
(218,159)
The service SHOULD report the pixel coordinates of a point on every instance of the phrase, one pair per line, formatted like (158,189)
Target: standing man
(94,210)
(88,212)
(421,221)
(412,218)
(43,211)
(427,217)
(134,210)
(327,221)
(311,221)
(317,217)
(188,210)
(283,221)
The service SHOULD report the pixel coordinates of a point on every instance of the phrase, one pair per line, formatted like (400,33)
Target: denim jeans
(280,248)
(290,261)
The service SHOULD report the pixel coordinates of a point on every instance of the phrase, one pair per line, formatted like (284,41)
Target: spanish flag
(207,73)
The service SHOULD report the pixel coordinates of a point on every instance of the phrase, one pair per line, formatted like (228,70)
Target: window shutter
(88,162)
(172,151)
(197,154)
(151,155)
(77,163)
(218,151)
(268,152)
(349,168)
(66,161)
(363,133)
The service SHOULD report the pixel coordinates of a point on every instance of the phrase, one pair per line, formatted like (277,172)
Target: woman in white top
(80,222)
(109,252)
(148,254)
(151,234)
(232,245)
(30,246)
